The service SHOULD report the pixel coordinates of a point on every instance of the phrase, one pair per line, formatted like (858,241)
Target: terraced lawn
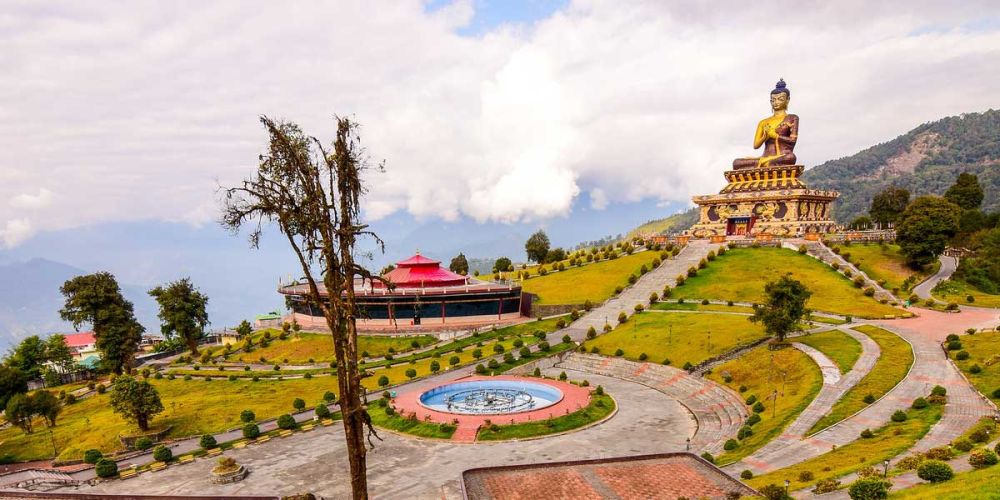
(790,372)
(303,348)
(889,441)
(981,484)
(885,262)
(190,408)
(595,282)
(892,365)
(681,337)
(840,347)
(740,274)
(957,291)
(984,350)
(697,306)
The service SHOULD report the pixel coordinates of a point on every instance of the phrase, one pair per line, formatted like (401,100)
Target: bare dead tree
(313,196)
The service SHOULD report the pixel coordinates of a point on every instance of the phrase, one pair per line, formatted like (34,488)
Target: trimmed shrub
(591,333)
(143,443)
(730,445)
(543,345)
(773,491)
(322,411)
(939,391)
(758,407)
(962,355)
(207,441)
(919,404)
(746,474)
(480,369)
(826,486)
(753,419)
(708,457)
(899,416)
(299,404)
(962,444)
(873,488)
(162,454)
(982,458)
(867,434)
(599,390)
(106,468)
(934,471)
(563,376)
(286,422)
(869,399)
(806,476)
(251,430)
(619,352)
(974,369)
(643,357)
(92,456)
(751,399)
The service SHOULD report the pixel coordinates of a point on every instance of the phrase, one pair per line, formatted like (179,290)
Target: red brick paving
(658,481)
(574,398)
(535,485)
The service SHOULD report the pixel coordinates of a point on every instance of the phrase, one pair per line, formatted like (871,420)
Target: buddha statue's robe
(778,135)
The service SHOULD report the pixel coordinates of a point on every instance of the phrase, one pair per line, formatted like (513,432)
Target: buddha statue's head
(780,96)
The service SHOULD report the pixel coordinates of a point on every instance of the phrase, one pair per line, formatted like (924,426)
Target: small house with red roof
(419,294)
(82,344)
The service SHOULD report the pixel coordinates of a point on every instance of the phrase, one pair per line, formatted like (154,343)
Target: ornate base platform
(779,213)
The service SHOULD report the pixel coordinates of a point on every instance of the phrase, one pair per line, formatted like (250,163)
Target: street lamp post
(787,484)
(885,464)
(687,444)
(774,402)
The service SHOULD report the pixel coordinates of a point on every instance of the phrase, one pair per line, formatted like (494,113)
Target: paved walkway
(930,368)
(948,266)
(719,412)
(653,281)
(406,467)
(834,387)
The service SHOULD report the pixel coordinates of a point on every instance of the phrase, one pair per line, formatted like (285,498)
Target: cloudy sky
(494,112)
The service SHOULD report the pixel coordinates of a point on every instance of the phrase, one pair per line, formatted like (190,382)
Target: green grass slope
(595,281)
(741,273)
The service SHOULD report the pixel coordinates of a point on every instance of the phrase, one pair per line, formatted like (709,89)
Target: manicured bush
(951,337)
(751,399)
(773,491)
(934,471)
(873,488)
(939,453)
(730,445)
(869,399)
(643,357)
(599,390)
(101,388)
(962,355)
(560,324)
(247,416)
(979,436)
(919,404)
(805,476)
(826,486)
(507,358)
(746,474)
(939,391)
(544,346)
(688,366)
(410,373)
(143,443)
(744,432)
(251,430)
(106,468)
(493,364)
(162,454)
(480,369)
(523,353)
(207,441)
(982,458)
(299,404)
(322,411)
(619,352)
(758,407)
(708,457)
(286,422)
(92,456)
(962,444)
(563,376)
(867,434)
(899,416)
(753,419)
(974,369)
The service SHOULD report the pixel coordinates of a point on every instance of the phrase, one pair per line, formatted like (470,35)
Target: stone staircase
(653,281)
(719,412)
(37,479)
(822,252)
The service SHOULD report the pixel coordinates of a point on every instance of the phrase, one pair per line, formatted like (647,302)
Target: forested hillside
(925,160)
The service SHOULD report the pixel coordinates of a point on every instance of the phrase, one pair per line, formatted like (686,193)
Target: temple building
(423,295)
(765,195)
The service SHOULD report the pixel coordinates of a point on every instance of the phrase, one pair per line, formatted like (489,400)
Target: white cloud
(16,231)
(137,111)
(32,201)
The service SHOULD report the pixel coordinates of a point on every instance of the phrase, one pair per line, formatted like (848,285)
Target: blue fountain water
(491,397)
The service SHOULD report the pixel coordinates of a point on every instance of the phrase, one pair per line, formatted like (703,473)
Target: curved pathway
(719,412)
(948,266)
(775,454)
(407,467)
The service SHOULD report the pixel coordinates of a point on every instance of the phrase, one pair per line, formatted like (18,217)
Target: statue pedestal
(765,213)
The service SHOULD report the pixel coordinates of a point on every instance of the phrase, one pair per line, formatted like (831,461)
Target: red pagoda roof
(419,271)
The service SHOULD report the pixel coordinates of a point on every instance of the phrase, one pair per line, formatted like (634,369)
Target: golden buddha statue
(777,133)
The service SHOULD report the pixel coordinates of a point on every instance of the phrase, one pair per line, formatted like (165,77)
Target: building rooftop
(665,475)
(80,339)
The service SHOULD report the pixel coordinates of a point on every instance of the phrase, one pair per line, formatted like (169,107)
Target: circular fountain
(491,397)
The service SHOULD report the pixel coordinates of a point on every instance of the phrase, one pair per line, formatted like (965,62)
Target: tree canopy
(889,204)
(182,312)
(537,246)
(502,264)
(136,401)
(29,356)
(97,300)
(783,308)
(459,264)
(966,192)
(925,229)
(12,381)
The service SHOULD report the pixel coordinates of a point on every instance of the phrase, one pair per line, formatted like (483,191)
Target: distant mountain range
(925,160)
(30,300)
